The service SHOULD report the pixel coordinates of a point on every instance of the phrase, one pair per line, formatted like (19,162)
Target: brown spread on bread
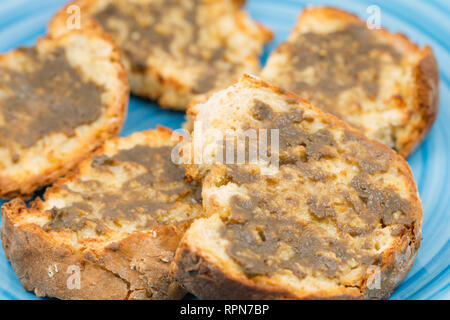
(317,145)
(141,38)
(141,29)
(51,97)
(371,78)
(256,247)
(264,238)
(151,194)
(351,57)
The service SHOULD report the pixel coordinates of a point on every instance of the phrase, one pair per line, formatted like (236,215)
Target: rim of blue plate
(425,22)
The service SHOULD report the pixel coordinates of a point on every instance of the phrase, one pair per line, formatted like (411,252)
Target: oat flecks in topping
(152,194)
(51,98)
(320,208)
(317,145)
(382,202)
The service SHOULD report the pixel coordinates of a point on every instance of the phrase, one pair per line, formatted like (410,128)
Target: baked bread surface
(117,220)
(176,51)
(338,217)
(59,101)
(378,82)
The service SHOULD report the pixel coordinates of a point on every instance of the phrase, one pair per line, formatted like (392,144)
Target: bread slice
(59,100)
(339,216)
(378,82)
(175,51)
(117,221)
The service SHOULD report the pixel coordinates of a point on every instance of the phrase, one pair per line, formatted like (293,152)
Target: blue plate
(425,22)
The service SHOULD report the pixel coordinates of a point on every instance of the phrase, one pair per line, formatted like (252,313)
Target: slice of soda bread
(59,101)
(378,82)
(176,50)
(111,228)
(329,214)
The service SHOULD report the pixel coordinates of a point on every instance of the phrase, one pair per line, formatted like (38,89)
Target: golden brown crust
(42,267)
(175,88)
(427,101)
(206,280)
(129,264)
(45,267)
(414,104)
(209,275)
(24,187)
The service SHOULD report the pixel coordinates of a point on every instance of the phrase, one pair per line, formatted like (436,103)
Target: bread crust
(33,256)
(171,91)
(115,111)
(427,102)
(424,69)
(44,266)
(133,267)
(207,278)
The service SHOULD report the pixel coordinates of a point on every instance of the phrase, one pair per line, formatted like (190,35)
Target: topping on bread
(378,82)
(59,101)
(337,216)
(117,220)
(176,51)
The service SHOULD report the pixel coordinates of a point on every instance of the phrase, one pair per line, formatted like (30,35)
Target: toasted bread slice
(378,82)
(59,101)
(338,217)
(175,51)
(117,221)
